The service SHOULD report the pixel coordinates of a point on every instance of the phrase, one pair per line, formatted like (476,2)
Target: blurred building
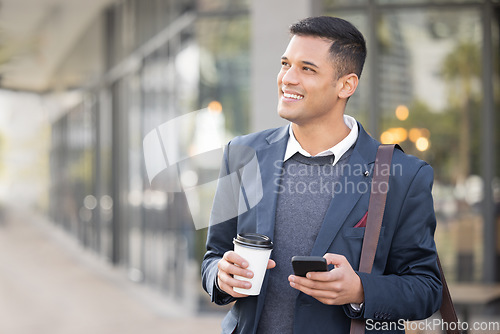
(109,72)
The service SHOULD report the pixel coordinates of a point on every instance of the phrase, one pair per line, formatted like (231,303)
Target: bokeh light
(402,112)
(215,106)
(394,136)
(387,137)
(422,144)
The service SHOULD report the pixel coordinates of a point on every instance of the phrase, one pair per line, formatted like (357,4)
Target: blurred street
(48,285)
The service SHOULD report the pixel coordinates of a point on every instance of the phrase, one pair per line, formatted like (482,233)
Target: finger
(271,264)
(231,269)
(335,259)
(315,280)
(329,276)
(328,285)
(310,284)
(230,281)
(229,290)
(316,293)
(236,259)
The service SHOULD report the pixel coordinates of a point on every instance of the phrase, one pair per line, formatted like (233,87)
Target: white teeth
(293,96)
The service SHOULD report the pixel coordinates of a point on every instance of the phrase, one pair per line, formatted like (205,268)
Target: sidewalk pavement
(52,286)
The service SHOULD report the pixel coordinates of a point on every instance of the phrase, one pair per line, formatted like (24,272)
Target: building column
(270,22)
(488,150)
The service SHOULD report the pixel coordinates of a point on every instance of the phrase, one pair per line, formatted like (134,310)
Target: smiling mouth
(293,96)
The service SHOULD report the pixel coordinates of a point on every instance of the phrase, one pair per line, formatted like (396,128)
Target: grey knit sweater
(304,194)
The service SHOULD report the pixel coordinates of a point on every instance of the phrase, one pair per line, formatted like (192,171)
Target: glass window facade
(431,105)
(163,61)
(427,90)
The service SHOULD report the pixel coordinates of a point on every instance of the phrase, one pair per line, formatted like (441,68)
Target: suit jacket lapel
(271,163)
(354,185)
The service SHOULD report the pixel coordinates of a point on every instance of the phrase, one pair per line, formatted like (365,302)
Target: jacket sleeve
(222,228)
(410,287)
(216,247)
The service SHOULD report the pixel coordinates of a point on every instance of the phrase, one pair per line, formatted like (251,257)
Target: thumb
(335,259)
(271,264)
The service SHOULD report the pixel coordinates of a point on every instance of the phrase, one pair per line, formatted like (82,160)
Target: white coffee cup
(255,249)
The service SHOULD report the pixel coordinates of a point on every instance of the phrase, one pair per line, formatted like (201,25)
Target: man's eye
(284,63)
(308,69)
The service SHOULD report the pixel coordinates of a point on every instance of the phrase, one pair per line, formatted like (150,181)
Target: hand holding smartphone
(304,264)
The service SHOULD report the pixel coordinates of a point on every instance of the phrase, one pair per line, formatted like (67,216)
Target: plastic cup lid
(253,240)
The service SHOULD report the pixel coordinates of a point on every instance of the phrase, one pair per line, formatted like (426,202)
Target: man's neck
(317,138)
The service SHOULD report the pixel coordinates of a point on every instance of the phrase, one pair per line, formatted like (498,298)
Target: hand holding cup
(241,272)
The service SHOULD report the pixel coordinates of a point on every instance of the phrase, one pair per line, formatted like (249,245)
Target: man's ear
(349,84)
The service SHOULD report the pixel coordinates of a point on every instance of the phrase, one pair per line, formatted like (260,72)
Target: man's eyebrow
(305,62)
(309,63)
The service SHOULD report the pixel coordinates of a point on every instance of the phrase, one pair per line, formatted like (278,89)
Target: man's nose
(290,77)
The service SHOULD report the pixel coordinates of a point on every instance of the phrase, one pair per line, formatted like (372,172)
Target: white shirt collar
(338,150)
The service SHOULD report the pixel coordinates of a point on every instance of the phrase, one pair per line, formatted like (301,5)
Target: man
(320,70)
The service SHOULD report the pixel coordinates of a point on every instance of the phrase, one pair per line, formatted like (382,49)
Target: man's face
(307,85)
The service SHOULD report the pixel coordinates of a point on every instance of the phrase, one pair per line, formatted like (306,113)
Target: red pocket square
(362,222)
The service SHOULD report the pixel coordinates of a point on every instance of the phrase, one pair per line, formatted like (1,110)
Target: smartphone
(304,264)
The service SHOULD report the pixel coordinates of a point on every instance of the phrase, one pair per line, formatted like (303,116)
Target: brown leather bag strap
(376,208)
(447,309)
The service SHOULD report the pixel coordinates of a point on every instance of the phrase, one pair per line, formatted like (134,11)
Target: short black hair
(348,49)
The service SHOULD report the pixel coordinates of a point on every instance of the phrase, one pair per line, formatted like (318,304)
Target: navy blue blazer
(405,281)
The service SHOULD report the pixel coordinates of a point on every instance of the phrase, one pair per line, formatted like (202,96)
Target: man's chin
(285,115)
